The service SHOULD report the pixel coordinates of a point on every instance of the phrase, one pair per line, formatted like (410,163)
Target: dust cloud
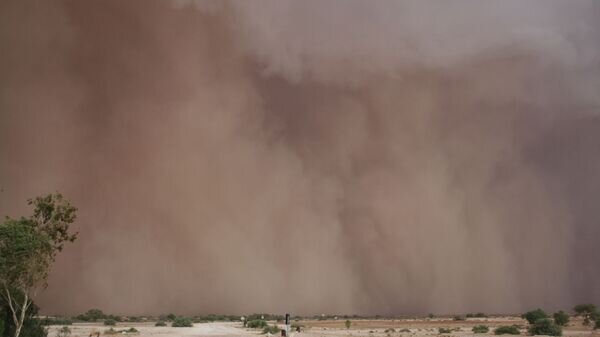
(380,157)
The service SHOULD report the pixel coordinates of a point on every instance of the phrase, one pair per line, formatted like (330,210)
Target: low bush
(444,330)
(584,309)
(597,325)
(390,330)
(110,322)
(256,324)
(507,330)
(91,315)
(534,315)
(56,321)
(476,315)
(135,319)
(132,330)
(65,331)
(272,329)
(405,330)
(481,329)
(347,323)
(115,317)
(160,323)
(182,322)
(545,326)
(459,318)
(561,318)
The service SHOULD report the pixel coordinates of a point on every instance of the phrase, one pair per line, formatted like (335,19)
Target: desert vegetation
(257,324)
(545,326)
(534,315)
(182,322)
(272,329)
(28,248)
(561,318)
(507,330)
(481,329)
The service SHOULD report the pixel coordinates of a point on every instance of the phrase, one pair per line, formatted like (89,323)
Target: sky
(380,157)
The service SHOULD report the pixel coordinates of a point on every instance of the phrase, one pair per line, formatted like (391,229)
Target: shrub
(132,330)
(597,325)
(533,315)
(405,330)
(458,318)
(56,321)
(545,326)
(507,330)
(182,322)
(444,330)
(160,323)
(431,315)
(347,323)
(390,330)
(91,315)
(135,319)
(272,329)
(584,309)
(561,318)
(476,315)
(257,324)
(481,329)
(111,331)
(115,317)
(110,322)
(65,331)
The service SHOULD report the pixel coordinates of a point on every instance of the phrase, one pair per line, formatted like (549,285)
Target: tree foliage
(561,318)
(545,326)
(584,309)
(28,247)
(182,322)
(481,329)
(507,330)
(533,315)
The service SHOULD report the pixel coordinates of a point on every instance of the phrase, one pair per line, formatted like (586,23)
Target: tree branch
(10,304)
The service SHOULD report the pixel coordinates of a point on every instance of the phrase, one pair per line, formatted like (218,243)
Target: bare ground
(328,328)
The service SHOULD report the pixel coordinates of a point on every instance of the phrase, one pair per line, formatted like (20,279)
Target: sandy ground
(327,328)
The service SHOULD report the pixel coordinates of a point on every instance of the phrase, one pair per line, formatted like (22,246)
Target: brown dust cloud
(370,157)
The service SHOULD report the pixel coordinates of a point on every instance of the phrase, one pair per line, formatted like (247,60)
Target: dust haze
(372,157)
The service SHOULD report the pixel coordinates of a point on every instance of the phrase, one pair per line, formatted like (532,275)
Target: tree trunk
(19,319)
(24,308)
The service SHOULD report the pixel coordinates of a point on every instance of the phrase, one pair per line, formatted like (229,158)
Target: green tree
(545,326)
(584,309)
(348,324)
(32,327)
(28,247)
(533,315)
(561,318)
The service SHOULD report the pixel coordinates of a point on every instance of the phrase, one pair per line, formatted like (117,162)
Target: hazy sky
(373,157)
